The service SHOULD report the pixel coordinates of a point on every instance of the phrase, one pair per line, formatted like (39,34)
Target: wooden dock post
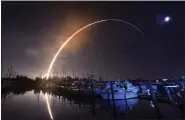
(183,106)
(113,102)
(80,105)
(93,99)
(153,97)
(79,87)
(152,93)
(109,99)
(178,112)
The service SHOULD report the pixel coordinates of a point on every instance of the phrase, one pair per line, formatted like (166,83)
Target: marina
(116,96)
(91,60)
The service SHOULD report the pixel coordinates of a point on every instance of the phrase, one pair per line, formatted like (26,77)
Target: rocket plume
(65,43)
(78,31)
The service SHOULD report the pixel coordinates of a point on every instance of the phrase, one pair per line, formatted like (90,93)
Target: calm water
(30,106)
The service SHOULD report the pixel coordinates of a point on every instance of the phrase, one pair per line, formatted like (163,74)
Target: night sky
(32,32)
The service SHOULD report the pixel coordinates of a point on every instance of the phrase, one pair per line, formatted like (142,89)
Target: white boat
(144,89)
(121,90)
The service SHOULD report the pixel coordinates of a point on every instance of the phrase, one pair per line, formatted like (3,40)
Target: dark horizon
(32,32)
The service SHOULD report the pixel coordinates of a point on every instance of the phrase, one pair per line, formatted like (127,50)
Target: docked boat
(121,90)
(145,90)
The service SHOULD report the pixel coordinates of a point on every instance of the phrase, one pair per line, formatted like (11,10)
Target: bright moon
(167,19)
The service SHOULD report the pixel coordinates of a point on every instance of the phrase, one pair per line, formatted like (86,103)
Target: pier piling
(113,101)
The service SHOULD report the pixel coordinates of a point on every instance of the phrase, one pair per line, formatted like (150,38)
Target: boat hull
(119,96)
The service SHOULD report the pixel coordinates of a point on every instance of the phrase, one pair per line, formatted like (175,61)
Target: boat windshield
(120,86)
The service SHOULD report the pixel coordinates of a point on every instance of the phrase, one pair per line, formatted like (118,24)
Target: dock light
(172,86)
(164,79)
(148,91)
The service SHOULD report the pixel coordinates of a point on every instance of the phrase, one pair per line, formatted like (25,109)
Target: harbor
(92,60)
(117,97)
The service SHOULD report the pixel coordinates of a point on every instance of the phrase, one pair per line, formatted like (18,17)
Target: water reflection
(48,106)
(37,104)
(121,106)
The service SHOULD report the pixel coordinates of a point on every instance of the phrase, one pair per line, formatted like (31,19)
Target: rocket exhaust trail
(64,44)
(78,31)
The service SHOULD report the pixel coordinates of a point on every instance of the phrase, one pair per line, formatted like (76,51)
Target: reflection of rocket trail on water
(64,44)
(47,103)
(48,106)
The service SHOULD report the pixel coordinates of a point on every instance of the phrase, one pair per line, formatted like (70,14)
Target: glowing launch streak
(48,106)
(64,44)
